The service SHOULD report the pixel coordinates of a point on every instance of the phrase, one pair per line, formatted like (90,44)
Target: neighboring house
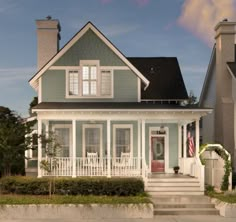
(219,90)
(113,115)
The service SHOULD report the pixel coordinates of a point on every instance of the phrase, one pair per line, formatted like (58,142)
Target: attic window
(89,81)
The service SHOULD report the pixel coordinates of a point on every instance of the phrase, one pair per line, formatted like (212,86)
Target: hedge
(72,186)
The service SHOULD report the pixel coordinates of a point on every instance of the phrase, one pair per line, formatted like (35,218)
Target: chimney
(224,105)
(48,36)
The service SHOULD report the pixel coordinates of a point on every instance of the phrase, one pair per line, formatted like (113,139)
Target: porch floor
(168,175)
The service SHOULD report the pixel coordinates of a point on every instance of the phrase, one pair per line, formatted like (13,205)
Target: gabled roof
(166,81)
(34,80)
(208,75)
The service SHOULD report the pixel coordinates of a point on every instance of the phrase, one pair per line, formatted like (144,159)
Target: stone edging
(225,209)
(78,211)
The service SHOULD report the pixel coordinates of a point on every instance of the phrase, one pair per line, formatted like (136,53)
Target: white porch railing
(193,167)
(94,167)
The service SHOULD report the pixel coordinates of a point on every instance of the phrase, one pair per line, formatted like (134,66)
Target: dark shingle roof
(232,66)
(109,105)
(166,81)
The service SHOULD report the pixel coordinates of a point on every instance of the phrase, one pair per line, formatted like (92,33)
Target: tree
(52,149)
(12,142)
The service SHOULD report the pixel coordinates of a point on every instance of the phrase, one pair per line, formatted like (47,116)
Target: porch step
(183,205)
(172,185)
(186,211)
(160,193)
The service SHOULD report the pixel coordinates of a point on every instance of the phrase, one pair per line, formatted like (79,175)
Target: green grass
(228,198)
(60,199)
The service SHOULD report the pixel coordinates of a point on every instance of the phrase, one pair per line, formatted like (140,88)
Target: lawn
(69,199)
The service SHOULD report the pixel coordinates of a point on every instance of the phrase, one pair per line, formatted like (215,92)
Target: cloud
(141,2)
(117,30)
(7,6)
(201,16)
(11,76)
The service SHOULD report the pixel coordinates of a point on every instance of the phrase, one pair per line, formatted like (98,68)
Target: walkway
(155,219)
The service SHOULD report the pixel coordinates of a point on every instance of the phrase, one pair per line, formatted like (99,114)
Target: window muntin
(89,81)
(89,78)
(92,139)
(123,137)
(73,82)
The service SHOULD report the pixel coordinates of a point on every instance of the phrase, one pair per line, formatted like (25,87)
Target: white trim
(166,148)
(92,126)
(74,148)
(143,150)
(101,67)
(197,137)
(122,126)
(39,147)
(40,90)
(108,148)
(65,126)
(139,142)
(184,141)
(179,141)
(139,90)
(74,40)
(80,80)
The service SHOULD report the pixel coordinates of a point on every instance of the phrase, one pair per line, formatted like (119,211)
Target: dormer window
(89,81)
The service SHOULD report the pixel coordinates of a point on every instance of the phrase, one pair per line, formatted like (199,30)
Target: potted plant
(176,169)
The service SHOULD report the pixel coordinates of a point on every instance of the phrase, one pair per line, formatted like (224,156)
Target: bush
(73,186)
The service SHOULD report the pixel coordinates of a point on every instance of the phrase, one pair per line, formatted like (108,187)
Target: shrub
(73,186)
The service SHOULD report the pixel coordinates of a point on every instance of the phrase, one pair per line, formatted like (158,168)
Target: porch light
(162,130)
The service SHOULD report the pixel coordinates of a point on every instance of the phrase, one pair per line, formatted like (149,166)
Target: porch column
(108,148)
(197,137)
(184,147)
(139,144)
(73,148)
(179,141)
(39,147)
(185,140)
(143,149)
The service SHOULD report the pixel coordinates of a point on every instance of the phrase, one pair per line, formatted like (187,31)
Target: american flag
(191,148)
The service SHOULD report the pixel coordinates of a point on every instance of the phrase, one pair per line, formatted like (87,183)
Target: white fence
(63,166)
(214,169)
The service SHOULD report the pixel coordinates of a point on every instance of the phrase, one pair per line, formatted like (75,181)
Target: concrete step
(187,199)
(165,184)
(182,188)
(160,193)
(186,211)
(173,180)
(183,205)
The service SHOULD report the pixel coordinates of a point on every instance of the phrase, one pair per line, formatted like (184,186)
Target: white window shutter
(106,82)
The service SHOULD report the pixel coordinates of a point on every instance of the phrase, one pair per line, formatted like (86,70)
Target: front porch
(145,137)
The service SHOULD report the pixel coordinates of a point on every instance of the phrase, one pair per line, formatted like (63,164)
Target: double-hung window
(73,82)
(92,139)
(89,80)
(122,139)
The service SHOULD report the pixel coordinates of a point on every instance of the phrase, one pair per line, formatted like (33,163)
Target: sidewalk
(156,219)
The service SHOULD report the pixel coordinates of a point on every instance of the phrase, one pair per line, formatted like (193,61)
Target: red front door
(158,154)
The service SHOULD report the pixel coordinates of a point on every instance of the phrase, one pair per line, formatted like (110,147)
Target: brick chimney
(224,107)
(48,36)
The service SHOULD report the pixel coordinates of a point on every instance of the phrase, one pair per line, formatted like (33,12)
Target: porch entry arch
(158,149)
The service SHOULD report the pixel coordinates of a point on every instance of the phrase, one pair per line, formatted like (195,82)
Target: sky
(145,28)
